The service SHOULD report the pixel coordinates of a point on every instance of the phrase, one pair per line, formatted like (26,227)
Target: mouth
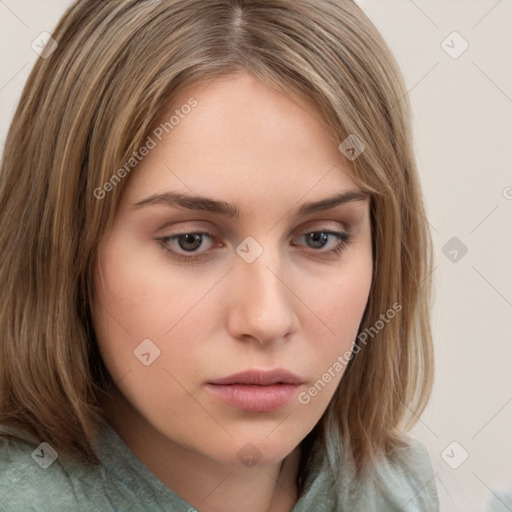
(255,390)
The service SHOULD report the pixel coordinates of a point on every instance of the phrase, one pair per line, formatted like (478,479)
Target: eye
(320,238)
(179,244)
(187,242)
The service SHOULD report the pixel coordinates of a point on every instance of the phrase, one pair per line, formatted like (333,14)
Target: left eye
(190,242)
(187,242)
(320,238)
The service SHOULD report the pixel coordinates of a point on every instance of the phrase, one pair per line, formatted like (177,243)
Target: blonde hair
(91,104)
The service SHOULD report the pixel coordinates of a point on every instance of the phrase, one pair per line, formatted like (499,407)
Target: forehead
(241,141)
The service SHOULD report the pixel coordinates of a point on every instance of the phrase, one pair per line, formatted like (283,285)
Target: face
(224,321)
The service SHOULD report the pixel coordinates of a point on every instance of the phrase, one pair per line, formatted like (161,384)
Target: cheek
(339,306)
(148,324)
(340,301)
(344,304)
(136,299)
(141,293)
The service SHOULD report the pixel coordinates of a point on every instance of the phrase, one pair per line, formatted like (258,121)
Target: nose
(262,301)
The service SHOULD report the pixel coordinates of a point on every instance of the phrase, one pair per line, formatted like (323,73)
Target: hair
(91,104)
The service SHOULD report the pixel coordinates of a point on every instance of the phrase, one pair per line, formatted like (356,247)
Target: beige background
(463,130)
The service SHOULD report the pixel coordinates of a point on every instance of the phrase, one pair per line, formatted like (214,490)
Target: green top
(499,501)
(33,478)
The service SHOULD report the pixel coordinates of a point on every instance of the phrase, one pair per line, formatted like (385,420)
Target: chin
(258,450)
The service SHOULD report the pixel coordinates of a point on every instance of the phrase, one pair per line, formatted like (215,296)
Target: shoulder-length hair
(90,105)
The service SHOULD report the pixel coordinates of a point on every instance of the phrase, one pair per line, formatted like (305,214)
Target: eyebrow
(206,204)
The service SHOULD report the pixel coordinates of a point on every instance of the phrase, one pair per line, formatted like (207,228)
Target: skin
(296,307)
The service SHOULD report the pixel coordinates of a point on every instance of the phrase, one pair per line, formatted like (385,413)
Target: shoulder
(32,477)
(35,478)
(404,481)
(407,480)
(499,501)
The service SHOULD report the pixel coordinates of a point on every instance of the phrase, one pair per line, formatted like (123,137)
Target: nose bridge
(263,304)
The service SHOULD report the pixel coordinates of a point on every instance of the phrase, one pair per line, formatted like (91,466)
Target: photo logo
(249,455)
(342,360)
(454,455)
(44,45)
(144,150)
(146,352)
(454,45)
(249,250)
(454,249)
(352,147)
(45,455)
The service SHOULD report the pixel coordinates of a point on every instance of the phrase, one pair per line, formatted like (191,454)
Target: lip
(256,390)
(260,378)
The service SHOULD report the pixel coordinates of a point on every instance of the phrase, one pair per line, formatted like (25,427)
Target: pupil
(318,236)
(194,239)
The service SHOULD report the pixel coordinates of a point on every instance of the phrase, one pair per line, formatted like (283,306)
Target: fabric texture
(499,501)
(123,483)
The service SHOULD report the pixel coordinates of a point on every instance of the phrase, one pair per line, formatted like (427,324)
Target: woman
(216,272)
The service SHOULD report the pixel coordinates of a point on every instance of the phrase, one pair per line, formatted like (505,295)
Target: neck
(208,485)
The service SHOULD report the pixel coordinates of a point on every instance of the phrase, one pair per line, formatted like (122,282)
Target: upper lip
(260,377)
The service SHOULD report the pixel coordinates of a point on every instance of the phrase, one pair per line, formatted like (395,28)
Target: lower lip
(255,398)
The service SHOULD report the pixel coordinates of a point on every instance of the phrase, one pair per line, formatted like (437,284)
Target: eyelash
(344,240)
